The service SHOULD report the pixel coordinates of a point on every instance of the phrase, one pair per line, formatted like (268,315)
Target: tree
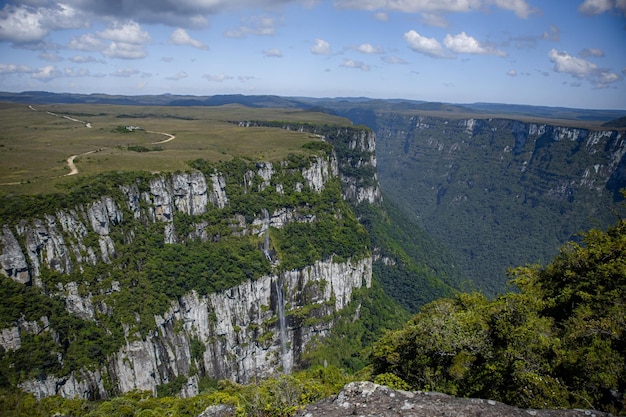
(558,342)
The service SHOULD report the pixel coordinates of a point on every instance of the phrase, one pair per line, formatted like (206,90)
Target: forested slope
(557,343)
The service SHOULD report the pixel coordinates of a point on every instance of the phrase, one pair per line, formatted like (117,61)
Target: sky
(567,53)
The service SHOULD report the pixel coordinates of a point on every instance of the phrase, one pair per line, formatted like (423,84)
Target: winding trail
(72,166)
(70,161)
(169,139)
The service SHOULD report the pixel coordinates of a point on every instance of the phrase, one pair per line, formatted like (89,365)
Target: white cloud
(129,32)
(367,48)
(394,60)
(349,63)
(21,24)
(126,41)
(26,24)
(245,78)
(424,45)
(381,16)
(46,73)
(411,6)
(594,7)
(511,73)
(182,38)
(125,72)
(587,52)
(464,44)
(273,53)
(582,69)
(255,25)
(81,59)
(125,50)
(519,7)
(554,34)
(87,42)
(49,56)
(178,76)
(218,78)
(321,47)
(14,69)
(566,63)
(434,19)
(72,73)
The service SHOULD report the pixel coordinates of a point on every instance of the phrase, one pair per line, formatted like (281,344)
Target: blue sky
(568,53)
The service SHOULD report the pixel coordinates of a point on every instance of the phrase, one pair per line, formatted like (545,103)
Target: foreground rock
(368,400)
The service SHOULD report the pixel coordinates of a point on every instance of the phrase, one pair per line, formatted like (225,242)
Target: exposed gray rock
(10,338)
(318,173)
(75,303)
(217,196)
(161,199)
(12,258)
(190,192)
(219,410)
(367,399)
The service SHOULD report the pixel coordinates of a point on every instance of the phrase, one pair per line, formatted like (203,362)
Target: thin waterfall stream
(280,296)
(280,303)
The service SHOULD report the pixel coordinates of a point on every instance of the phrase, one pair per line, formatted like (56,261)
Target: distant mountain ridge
(339,105)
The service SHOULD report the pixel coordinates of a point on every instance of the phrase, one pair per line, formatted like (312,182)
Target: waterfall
(280,303)
(266,230)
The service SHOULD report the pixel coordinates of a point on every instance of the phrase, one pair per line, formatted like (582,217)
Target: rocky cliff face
(500,192)
(254,329)
(355,151)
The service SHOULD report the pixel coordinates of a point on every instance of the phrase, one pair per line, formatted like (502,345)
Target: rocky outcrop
(355,150)
(358,168)
(367,399)
(12,258)
(10,338)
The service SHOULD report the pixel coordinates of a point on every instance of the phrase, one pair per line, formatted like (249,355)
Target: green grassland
(36,144)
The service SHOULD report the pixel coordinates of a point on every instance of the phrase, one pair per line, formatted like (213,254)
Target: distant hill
(616,123)
(339,105)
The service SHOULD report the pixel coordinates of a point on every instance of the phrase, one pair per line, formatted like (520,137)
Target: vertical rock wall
(232,334)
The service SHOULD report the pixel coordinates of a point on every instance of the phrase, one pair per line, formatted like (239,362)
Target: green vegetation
(281,396)
(36,144)
(494,194)
(559,342)
(619,123)
(412,267)
(349,345)
(141,148)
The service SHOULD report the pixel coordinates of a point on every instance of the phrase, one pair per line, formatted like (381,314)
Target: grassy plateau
(36,141)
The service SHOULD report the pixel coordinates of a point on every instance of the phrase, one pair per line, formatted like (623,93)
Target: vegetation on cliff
(498,192)
(558,342)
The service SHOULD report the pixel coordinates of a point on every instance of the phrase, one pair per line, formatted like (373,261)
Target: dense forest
(557,342)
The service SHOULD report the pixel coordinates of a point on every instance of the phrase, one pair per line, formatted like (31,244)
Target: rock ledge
(367,399)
